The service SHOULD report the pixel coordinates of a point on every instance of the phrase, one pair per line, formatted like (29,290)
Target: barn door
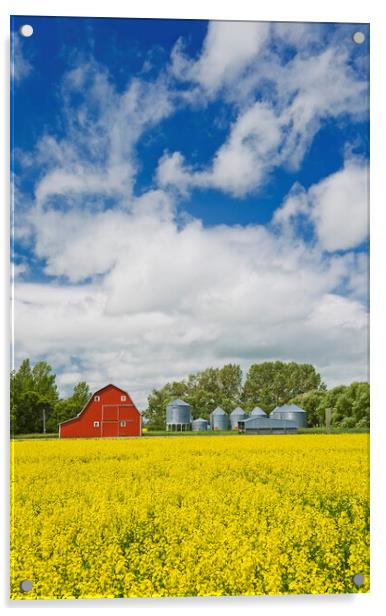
(110,424)
(110,428)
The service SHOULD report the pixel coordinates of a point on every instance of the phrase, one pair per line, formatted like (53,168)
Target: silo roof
(200,419)
(258,411)
(288,408)
(238,411)
(178,403)
(218,411)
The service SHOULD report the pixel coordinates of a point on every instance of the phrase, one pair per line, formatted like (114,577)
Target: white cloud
(337,207)
(296,97)
(97,156)
(167,299)
(20,67)
(340,207)
(150,297)
(240,164)
(228,48)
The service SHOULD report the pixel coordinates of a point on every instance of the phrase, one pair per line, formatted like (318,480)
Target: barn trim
(91,399)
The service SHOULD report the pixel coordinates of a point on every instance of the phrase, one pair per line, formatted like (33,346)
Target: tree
(69,407)
(350,405)
(33,392)
(272,384)
(203,391)
(313,403)
(158,401)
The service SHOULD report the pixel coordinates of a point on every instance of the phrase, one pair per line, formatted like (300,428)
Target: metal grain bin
(219,419)
(291,412)
(237,415)
(258,412)
(178,415)
(199,425)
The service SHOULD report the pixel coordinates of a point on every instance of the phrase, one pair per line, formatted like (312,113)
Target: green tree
(203,391)
(69,407)
(158,401)
(313,403)
(33,393)
(270,384)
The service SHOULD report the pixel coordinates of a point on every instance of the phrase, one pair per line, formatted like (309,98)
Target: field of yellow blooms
(178,516)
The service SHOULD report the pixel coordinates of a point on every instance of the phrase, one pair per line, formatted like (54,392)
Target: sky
(188,194)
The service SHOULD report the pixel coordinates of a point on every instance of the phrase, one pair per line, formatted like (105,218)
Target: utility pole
(44,421)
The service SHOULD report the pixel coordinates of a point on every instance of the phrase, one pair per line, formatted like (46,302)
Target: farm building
(290,412)
(109,412)
(257,411)
(264,425)
(199,425)
(218,419)
(237,415)
(178,416)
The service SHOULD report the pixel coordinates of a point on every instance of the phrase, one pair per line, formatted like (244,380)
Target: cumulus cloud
(295,98)
(20,66)
(240,164)
(337,207)
(228,48)
(141,293)
(97,155)
(166,299)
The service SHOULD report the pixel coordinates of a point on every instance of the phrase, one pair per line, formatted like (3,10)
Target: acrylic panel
(189,400)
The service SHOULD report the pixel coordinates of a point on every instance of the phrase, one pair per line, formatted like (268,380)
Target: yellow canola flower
(157,517)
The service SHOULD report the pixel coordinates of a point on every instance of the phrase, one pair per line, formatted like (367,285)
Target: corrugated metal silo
(199,425)
(178,415)
(258,412)
(237,415)
(291,412)
(219,419)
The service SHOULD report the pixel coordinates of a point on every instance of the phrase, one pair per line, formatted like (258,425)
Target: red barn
(109,412)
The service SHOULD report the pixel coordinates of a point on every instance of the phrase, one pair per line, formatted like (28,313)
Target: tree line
(267,384)
(35,404)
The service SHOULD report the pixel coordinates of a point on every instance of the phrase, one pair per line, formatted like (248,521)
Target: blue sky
(188,193)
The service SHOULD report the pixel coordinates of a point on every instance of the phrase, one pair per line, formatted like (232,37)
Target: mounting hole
(26,585)
(358,579)
(358,38)
(26,30)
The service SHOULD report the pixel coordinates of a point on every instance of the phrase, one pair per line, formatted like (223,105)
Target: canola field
(154,517)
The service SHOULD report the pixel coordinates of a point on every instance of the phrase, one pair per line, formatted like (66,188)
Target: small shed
(266,425)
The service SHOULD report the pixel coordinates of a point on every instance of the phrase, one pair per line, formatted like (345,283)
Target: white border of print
(277,10)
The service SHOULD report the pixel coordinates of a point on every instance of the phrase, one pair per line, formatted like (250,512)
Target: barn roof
(89,400)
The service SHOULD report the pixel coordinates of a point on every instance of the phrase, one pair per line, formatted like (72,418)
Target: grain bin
(219,419)
(291,412)
(199,425)
(237,415)
(178,416)
(258,412)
